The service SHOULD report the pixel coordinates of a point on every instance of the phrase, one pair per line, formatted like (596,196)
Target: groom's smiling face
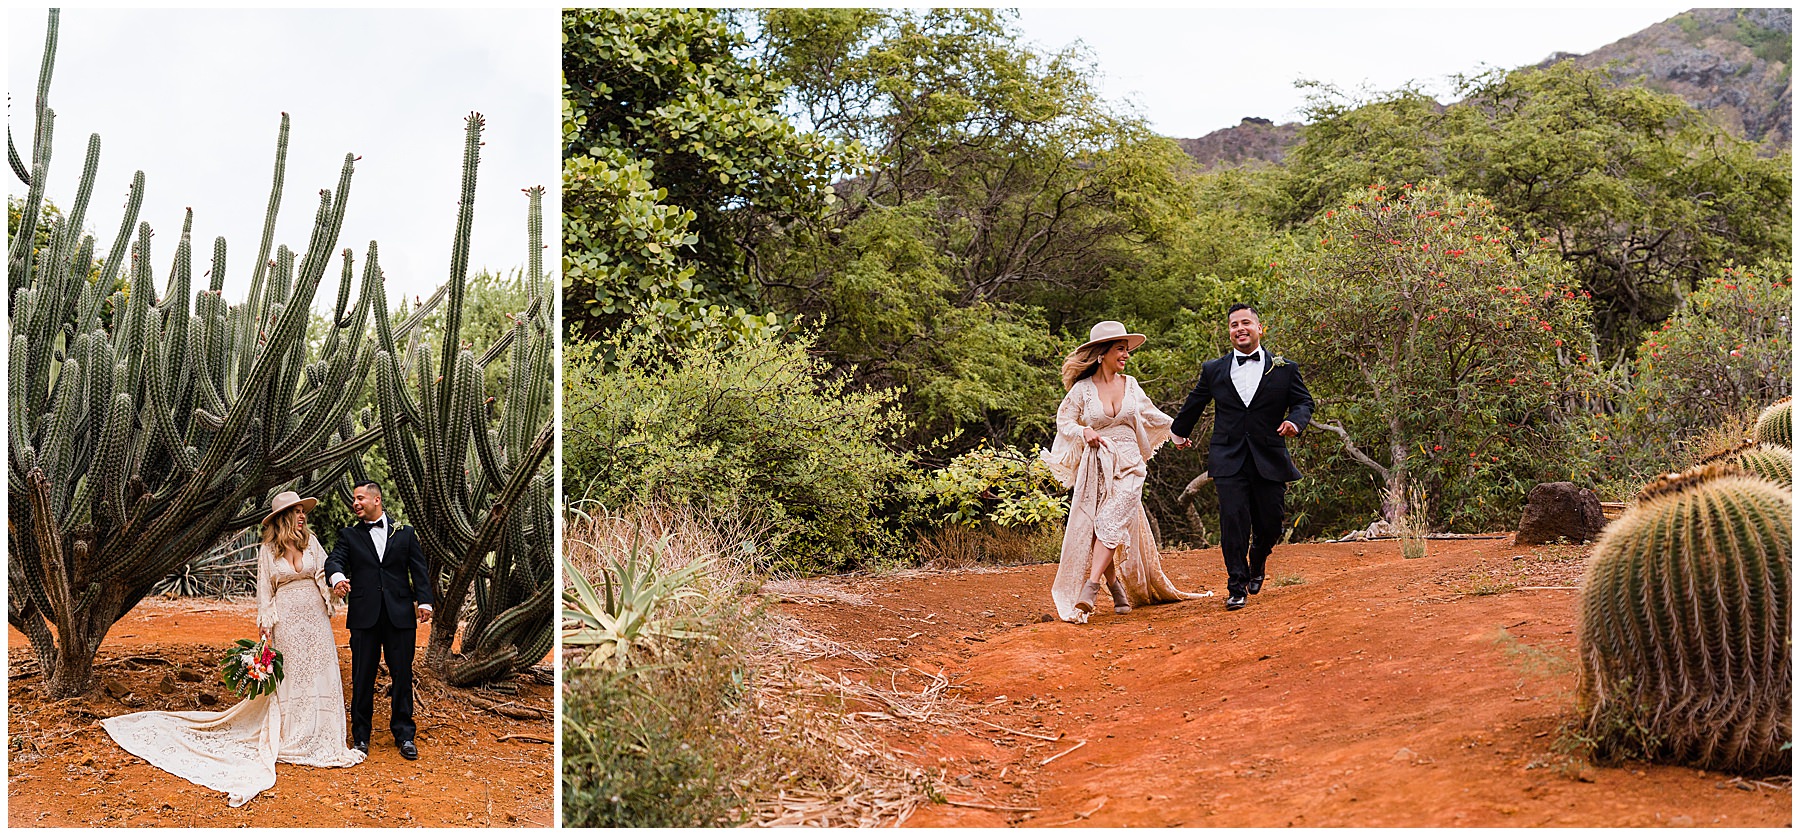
(1245,329)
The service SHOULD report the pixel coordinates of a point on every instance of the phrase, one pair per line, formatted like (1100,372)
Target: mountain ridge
(1734,65)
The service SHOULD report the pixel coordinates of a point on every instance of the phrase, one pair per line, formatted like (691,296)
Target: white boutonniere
(1275,362)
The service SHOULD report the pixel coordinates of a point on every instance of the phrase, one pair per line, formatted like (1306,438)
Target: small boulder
(1560,510)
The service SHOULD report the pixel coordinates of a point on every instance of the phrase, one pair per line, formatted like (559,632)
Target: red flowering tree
(1726,353)
(1443,349)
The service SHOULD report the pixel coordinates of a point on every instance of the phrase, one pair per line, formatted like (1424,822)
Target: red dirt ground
(1358,689)
(63,771)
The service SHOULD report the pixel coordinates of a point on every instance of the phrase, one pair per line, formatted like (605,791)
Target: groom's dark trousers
(382,620)
(1247,457)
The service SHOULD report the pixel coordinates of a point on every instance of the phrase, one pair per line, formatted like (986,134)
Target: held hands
(1182,443)
(342,589)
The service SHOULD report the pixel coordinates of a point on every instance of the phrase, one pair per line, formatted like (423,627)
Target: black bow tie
(1245,358)
(368,526)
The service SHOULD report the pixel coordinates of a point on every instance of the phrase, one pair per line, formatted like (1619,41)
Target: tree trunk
(72,672)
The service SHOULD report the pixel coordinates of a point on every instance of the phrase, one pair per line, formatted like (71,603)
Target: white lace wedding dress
(302,722)
(1108,500)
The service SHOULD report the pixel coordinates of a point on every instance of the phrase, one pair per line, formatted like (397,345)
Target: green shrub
(1727,352)
(751,424)
(652,747)
(1004,487)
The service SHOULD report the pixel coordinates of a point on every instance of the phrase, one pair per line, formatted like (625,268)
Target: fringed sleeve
(1064,455)
(1152,424)
(265,587)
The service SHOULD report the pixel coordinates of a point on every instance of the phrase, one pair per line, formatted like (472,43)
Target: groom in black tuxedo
(389,599)
(1261,403)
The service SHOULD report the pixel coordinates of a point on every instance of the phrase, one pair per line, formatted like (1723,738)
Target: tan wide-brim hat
(286,500)
(1108,331)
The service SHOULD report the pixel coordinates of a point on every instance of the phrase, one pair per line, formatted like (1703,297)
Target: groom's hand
(1287,429)
(424,613)
(1182,443)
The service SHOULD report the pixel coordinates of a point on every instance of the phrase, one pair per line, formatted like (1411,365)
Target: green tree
(1726,353)
(677,165)
(1004,195)
(1639,193)
(1445,350)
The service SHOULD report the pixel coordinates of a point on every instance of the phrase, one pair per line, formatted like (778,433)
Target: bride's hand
(1093,438)
(265,634)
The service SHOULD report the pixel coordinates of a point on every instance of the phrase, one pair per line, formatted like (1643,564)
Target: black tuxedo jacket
(388,585)
(1247,432)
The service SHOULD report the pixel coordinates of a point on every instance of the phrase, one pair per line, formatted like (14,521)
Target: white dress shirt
(1247,376)
(379,534)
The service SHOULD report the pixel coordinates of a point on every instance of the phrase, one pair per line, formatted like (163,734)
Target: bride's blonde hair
(282,537)
(1083,362)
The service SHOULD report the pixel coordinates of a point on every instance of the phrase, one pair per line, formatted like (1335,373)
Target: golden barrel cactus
(1684,637)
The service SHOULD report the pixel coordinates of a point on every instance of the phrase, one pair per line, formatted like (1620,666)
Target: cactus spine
(1685,644)
(474,477)
(142,429)
(1776,424)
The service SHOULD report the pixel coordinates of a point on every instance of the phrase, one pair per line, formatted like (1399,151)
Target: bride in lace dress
(1106,431)
(302,721)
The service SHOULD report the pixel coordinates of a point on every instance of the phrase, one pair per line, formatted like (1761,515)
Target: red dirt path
(1373,692)
(63,770)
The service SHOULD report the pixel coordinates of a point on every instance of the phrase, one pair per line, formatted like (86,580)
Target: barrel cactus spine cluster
(1685,640)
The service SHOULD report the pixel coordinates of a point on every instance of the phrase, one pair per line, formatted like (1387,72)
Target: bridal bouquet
(251,669)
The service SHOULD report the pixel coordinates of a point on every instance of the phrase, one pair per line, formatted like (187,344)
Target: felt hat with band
(1108,331)
(286,500)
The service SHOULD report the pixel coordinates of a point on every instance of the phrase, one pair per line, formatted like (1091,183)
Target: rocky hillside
(1734,64)
(1254,139)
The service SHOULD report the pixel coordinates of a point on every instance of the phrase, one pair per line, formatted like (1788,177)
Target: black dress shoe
(408,750)
(361,746)
(1255,585)
(1235,602)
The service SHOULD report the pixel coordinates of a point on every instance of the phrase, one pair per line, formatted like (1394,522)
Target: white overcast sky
(1194,71)
(194,99)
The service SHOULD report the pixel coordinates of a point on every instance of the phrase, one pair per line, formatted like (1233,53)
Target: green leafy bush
(1004,487)
(1724,354)
(751,424)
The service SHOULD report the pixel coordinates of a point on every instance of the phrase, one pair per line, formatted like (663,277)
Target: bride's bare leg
(1100,564)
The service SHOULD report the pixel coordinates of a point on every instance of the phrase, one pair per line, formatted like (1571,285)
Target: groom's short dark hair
(1240,306)
(366,483)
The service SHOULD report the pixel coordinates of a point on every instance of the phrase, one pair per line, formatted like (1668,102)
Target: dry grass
(964,547)
(797,748)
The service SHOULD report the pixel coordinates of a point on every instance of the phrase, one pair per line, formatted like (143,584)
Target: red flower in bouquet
(251,669)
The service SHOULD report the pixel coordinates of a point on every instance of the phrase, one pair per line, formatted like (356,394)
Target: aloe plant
(626,610)
(473,471)
(1686,650)
(142,428)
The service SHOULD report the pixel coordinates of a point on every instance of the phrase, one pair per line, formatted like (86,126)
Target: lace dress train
(302,722)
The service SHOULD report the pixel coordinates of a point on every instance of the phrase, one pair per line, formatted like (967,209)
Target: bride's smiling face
(1113,361)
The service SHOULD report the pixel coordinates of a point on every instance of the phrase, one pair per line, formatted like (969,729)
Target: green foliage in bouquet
(251,669)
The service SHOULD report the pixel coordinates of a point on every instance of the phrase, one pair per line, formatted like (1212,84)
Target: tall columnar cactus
(1776,424)
(140,429)
(474,474)
(1685,644)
